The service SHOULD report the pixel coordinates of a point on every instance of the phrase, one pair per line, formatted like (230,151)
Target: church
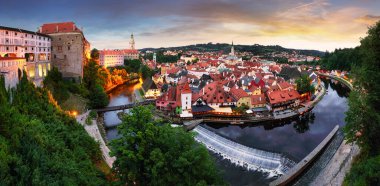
(112,58)
(232,59)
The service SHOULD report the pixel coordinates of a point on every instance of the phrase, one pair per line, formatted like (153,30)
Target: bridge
(274,164)
(127,106)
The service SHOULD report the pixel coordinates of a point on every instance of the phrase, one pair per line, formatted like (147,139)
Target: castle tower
(132,42)
(154,58)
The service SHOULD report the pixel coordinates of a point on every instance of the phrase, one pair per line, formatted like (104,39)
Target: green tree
(150,152)
(363,116)
(41,145)
(95,54)
(98,97)
(304,85)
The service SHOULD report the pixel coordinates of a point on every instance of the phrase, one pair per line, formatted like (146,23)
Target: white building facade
(29,51)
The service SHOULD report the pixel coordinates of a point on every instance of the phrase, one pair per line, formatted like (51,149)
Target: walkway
(253,159)
(93,131)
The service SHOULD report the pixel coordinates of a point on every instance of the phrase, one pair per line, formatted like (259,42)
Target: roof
(214,93)
(23,31)
(63,27)
(258,99)
(11,58)
(284,85)
(238,93)
(186,89)
(118,52)
(201,108)
(282,96)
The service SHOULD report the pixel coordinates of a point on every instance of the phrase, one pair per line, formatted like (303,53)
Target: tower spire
(232,49)
(132,42)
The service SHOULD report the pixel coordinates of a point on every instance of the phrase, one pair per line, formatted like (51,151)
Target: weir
(252,159)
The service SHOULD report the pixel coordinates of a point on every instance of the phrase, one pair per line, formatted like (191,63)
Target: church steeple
(132,42)
(232,49)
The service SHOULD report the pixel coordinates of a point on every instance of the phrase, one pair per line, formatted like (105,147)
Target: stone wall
(69,53)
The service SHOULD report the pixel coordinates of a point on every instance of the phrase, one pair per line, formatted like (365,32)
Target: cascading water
(252,159)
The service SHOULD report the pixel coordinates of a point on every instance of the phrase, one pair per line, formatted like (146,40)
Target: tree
(304,85)
(150,152)
(98,97)
(363,116)
(41,145)
(95,54)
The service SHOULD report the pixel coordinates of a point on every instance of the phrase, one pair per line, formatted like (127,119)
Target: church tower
(132,42)
(232,49)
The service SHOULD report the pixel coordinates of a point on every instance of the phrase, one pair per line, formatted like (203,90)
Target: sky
(107,24)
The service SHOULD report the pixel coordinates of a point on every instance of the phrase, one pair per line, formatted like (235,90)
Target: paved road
(93,131)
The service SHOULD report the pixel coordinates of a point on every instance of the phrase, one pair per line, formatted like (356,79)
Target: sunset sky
(304,24)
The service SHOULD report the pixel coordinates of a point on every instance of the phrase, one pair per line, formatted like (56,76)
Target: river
(295,139)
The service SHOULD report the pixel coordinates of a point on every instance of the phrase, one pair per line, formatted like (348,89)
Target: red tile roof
(214,93)
(185,89)
(258,99)
(238,93)
(118,52)
(282,96)
(50,28)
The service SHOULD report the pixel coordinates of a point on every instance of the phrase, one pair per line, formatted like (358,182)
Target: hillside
(255,49)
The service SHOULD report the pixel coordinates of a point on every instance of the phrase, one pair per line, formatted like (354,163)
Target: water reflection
(295,138)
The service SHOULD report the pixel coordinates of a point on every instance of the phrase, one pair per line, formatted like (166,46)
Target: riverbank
(341,162)
(338,167)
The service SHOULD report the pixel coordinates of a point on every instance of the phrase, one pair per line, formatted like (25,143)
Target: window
(26,42)
(7,48)
(26,48)
(32,36)
(68,47)
(15,33)
(7,40)
(55,56)
(26,35)
(59,39)
(39,37)
(64,56)
(16,48)
(6,32)
(32,48)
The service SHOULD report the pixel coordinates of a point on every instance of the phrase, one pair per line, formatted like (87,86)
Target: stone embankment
(341,162)
(302,165)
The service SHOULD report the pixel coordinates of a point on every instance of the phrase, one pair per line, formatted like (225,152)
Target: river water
(293,138)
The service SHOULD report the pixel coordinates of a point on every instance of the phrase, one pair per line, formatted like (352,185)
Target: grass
(75,102)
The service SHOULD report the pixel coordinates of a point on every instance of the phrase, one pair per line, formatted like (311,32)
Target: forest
(40,144)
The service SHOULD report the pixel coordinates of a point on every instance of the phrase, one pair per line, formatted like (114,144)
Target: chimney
(56,28)
(40,29)
(203,90)
(73,27)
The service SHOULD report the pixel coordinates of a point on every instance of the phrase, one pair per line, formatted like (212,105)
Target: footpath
(94,132)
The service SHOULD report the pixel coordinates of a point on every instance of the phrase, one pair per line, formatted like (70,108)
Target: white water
(252,159)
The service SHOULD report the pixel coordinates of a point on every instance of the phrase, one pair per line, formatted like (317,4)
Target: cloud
(368,19)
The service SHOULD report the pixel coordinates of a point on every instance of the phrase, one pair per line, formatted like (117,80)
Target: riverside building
(112,58)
